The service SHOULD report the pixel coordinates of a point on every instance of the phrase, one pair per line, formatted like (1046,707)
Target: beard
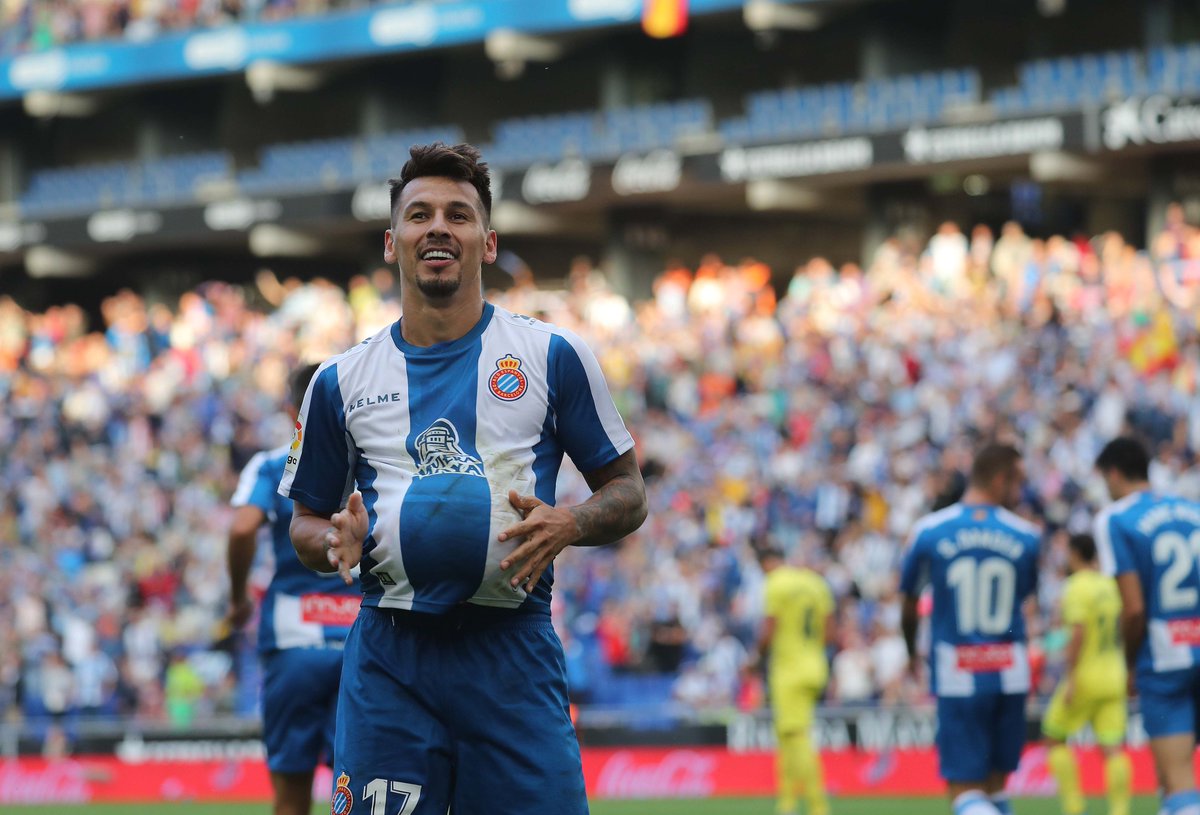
(439,288)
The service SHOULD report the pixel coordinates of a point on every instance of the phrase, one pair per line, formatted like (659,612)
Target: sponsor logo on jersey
(329,609)
(343,799)
(986,657)
(508,382)
(440,452)
(1184,632)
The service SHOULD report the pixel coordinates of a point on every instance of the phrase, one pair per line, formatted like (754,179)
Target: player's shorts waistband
(465,616)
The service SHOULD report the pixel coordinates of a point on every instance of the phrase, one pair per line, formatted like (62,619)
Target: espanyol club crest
(508,382)
(343,798)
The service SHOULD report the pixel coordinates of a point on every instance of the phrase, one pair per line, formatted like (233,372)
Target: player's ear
(489,247)
(389,247)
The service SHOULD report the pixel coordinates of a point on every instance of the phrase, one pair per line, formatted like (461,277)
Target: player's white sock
(974,802)
(1001,803)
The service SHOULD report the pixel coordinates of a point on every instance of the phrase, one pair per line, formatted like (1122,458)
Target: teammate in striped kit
(1151,544)
(304,622)
(429,454)
(981,560)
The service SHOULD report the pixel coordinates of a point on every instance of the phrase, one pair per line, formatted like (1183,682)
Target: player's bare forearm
(308,530)
(1133,615)
(617,506)
(330,543)
(908,624)
(1133,630)
(242,545)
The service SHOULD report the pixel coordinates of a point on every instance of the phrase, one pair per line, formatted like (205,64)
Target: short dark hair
(298,383)
(461,162)
(1083,545)
(1126,455)
(992,460)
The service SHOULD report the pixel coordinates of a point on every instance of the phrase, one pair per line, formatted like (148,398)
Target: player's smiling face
(440,237)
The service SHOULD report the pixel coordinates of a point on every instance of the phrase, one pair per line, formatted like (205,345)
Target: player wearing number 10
(1151,543)
(981,561)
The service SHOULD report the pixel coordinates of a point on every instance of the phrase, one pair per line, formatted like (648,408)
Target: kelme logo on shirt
(440,452)
(508,382)
(343,798)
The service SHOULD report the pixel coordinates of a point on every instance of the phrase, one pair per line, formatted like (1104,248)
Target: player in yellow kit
(1093,686)
(796,619)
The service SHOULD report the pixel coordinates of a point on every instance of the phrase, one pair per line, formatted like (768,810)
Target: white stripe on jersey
(246,480)
(1016,521)
(1104,550)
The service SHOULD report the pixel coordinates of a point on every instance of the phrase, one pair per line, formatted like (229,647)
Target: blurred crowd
(821,414)
(39,25)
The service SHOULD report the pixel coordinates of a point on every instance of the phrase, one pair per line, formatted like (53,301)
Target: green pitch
(691,806)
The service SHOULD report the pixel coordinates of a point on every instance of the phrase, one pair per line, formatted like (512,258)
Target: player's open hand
(344,539)
(545,531)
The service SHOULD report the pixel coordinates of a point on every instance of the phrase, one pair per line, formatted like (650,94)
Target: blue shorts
(299,701)
(980,735)
(1170,701)
(466,710)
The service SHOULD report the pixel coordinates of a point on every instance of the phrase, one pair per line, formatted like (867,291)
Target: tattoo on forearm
(617,508)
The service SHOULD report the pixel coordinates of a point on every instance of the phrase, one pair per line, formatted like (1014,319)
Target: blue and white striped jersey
(301,608)
(1158,537)
(435,437)
(982,563)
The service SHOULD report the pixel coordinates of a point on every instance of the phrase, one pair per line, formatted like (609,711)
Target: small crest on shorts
(343,799)
(508,381)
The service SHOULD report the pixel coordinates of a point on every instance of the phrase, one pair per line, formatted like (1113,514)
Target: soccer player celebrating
(1151,544)
(305,619)
(795,624)
(1092,689)
(452,423)
(981,560)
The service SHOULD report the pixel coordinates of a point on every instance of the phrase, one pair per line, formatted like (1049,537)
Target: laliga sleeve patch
(293,457)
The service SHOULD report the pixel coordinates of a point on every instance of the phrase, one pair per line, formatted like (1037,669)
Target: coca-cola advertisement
(651,772)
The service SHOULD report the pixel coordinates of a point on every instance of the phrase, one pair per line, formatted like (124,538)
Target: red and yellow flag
(664,18)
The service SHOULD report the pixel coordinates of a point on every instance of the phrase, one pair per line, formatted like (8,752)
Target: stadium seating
(161,183)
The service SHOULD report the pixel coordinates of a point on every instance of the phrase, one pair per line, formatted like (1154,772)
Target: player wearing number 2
(981,561)
(1092,689)
(1151,544)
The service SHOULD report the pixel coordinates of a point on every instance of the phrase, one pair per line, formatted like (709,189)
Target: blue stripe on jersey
(588,444)
(365,475)
(323,464)
(445,519)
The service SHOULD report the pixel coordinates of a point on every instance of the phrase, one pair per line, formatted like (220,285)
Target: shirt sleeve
(587,423)
(255,486)
(318,473)
(1113,546)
